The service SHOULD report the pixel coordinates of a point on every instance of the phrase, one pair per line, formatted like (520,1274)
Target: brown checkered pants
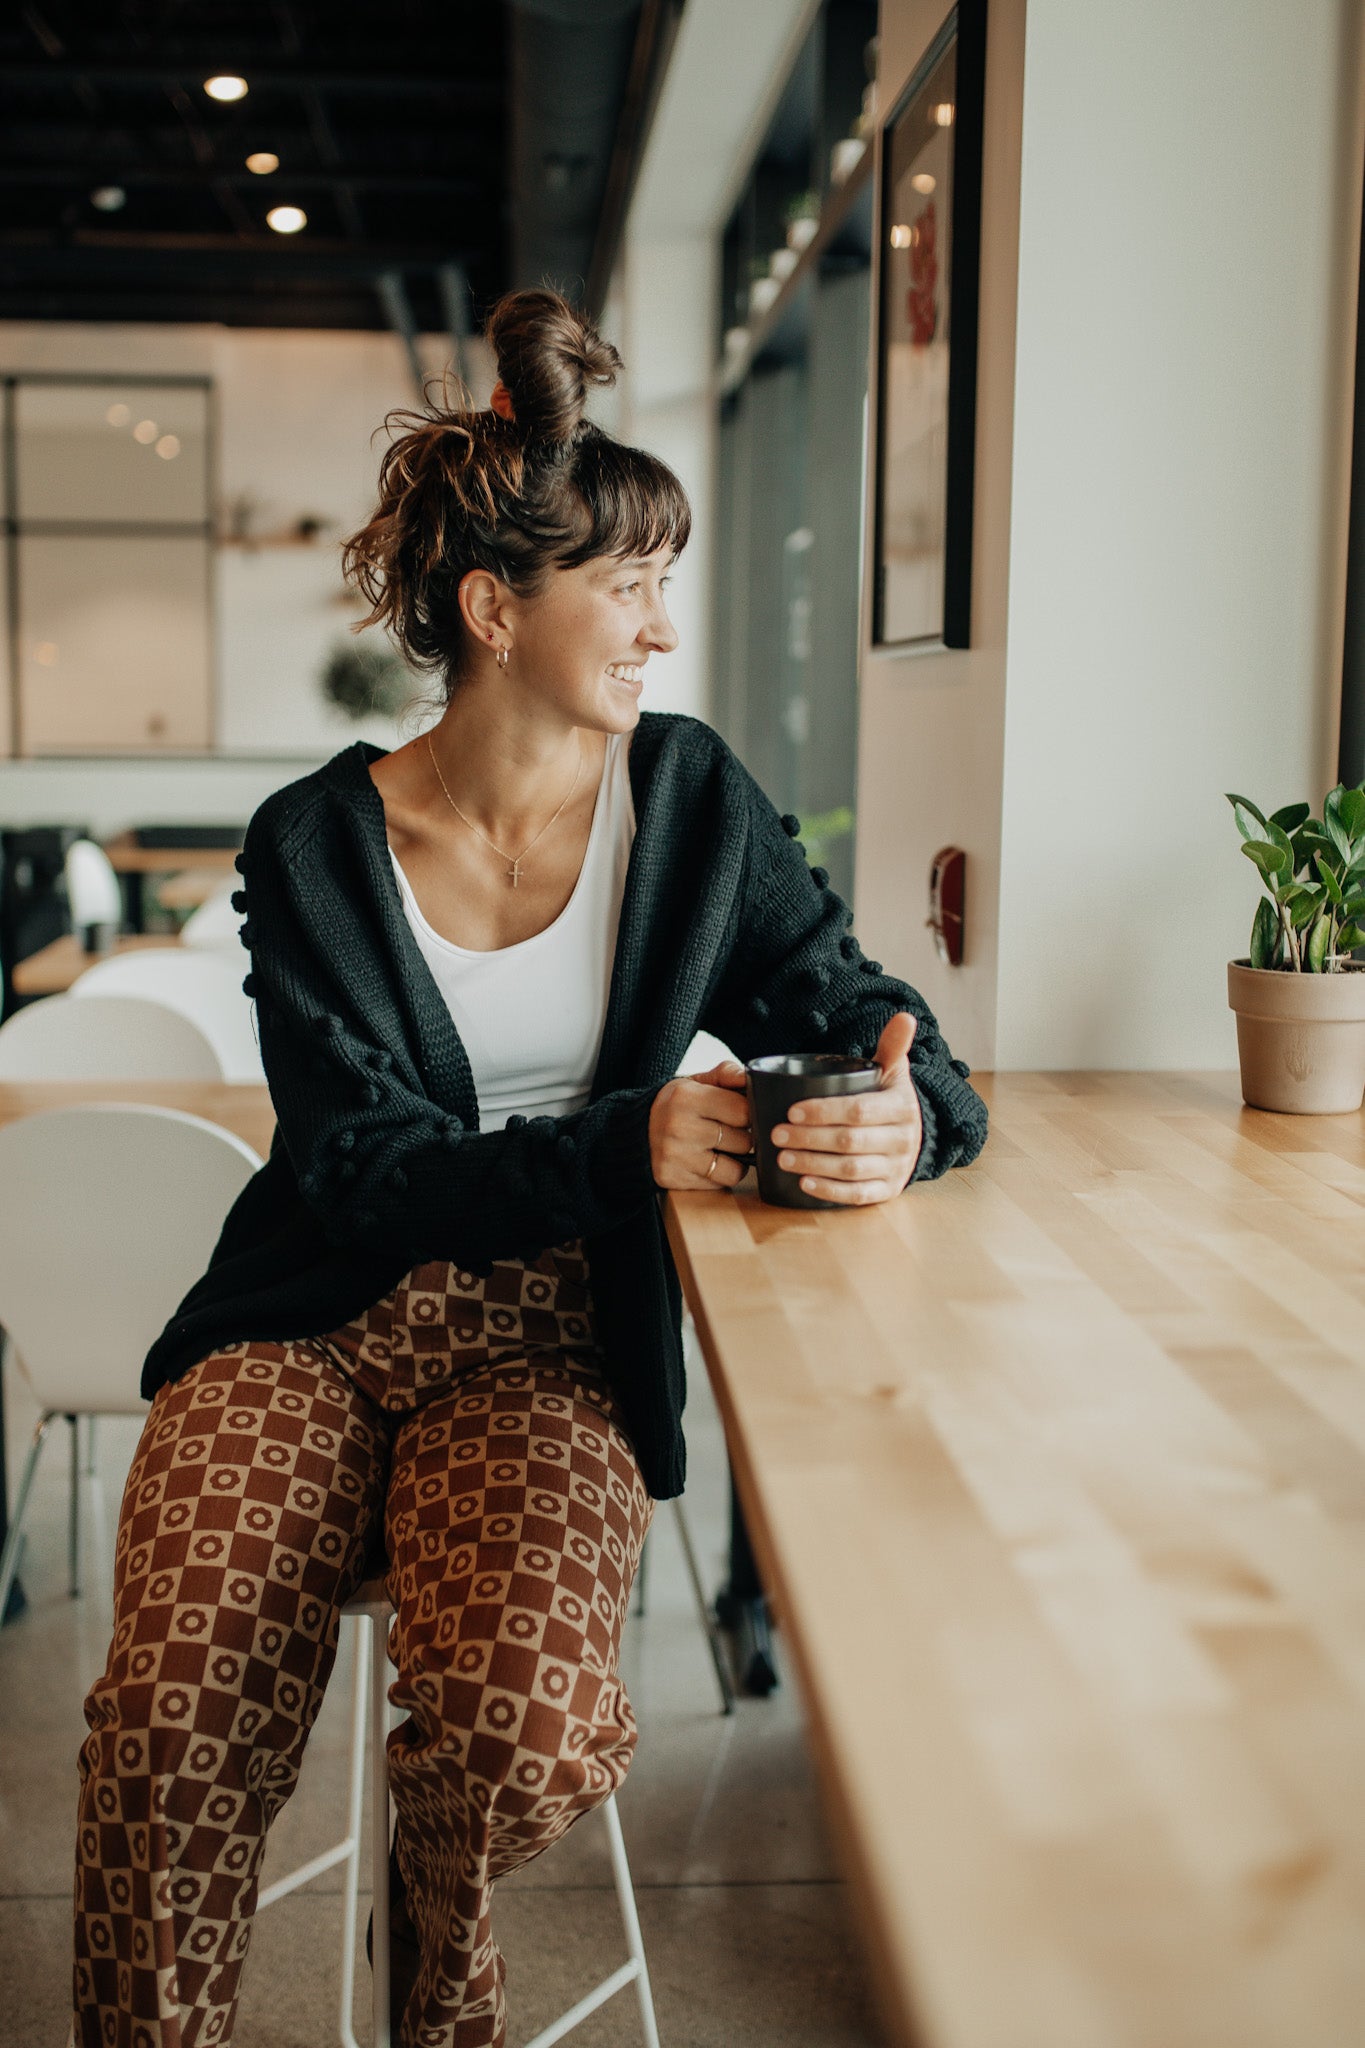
(471,1420)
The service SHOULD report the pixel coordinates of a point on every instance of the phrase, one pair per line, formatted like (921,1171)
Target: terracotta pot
(1301,1038)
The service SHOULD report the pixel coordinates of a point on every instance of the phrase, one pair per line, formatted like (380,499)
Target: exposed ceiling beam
(394,299)
(90,245)
(452,288)
(654,39)
(136,176)
(370,80)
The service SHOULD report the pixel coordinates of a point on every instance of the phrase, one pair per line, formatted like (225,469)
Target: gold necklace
(515,870)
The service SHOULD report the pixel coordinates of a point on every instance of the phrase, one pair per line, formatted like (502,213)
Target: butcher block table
(1056,1471)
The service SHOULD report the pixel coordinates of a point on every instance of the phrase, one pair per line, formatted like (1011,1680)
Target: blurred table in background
(1055,1470)
(243,1107)
(54,967)
(133,859)
(188,890)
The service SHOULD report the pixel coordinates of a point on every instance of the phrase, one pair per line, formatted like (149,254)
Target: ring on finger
(712,1167)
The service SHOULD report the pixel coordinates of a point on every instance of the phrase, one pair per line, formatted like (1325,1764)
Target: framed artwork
(929,258)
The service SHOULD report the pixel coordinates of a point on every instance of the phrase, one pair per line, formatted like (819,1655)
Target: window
(109,572)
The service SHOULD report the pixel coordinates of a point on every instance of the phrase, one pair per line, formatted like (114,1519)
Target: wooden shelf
(839,208)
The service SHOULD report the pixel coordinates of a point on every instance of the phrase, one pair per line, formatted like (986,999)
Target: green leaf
(1354,905)
(1289,818)
(1315,953)
(1250,822)
(1336,831)
(1265,934)
(1330,881)
(1305,908)
(1273,861)
(1348,938)
(1351,812)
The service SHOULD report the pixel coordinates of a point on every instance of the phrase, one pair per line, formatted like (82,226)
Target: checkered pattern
(473,1417)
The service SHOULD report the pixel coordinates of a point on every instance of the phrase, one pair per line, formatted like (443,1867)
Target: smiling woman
(444,1310)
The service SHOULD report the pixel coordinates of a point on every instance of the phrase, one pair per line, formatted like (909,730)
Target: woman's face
(582,645)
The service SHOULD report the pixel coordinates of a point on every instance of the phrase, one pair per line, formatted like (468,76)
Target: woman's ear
(482,598)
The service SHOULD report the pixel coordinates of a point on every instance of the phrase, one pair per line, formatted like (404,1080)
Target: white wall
(1189,195)
(931,725)
(1171,211)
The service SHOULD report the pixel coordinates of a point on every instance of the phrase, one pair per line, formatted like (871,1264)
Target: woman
(441,1323)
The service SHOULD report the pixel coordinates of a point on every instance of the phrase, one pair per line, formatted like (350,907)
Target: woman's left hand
(859,1148)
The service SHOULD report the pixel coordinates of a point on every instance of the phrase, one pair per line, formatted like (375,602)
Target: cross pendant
(515,872)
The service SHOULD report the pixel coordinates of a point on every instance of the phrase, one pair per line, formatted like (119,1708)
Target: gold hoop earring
(504,656)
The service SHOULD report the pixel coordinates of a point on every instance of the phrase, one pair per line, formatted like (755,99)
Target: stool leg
(707,1618)
(351,1892)
(379,1825)
(630,1919)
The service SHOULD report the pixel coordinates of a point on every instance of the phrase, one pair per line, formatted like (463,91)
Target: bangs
(626,503)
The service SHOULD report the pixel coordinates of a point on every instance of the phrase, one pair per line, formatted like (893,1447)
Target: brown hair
(461,489)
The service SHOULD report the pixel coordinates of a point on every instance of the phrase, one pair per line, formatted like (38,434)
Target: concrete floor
(746,1925)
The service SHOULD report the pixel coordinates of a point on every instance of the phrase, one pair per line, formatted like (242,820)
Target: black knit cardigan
(378,1162)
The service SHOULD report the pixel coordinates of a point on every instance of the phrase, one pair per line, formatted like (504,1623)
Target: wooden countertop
(243,1107)
(1056,1469)
(54,967)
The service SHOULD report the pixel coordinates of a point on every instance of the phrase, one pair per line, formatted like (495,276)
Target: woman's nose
(662,633)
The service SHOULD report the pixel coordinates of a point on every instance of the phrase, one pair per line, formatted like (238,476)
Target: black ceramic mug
(778,1081)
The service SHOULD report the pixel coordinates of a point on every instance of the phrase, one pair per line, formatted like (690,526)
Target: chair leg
(9,1558)
(640,1577)
(360,1697)
(73,1536)
(630,1920)
(379,1825)
(90,1447)
(707,1618)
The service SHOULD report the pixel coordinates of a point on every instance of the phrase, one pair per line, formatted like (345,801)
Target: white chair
(203,986)
(214,926)
(112,1211)
(105,1038)
(92,891)
(369,1608)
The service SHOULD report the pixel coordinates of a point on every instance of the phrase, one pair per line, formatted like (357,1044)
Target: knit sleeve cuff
(622,1165)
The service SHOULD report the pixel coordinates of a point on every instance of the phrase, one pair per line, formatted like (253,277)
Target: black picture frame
(927,320)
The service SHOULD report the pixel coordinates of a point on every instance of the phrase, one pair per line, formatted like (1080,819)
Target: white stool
(370,1609)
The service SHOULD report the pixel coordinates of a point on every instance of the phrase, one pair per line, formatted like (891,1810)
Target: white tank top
(531,1015)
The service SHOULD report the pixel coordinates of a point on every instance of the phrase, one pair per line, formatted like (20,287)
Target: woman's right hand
(695,1117)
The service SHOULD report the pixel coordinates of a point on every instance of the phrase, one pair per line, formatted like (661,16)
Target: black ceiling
(404,130)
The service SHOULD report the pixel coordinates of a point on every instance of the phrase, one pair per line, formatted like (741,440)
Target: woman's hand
(859,1148)
(698,1124)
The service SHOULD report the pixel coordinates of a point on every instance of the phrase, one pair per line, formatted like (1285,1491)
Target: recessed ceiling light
(108,198)
(263,162)
(168,447)
(900,236)
(118,415)
(225,86)
(146,431)
(924,181)
(287,220)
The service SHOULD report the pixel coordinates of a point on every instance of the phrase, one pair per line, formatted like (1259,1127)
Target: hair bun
(549,355)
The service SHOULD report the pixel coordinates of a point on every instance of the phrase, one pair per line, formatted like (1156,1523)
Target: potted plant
(1299,997)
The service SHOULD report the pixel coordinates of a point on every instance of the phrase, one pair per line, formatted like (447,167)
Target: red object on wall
(947,895)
